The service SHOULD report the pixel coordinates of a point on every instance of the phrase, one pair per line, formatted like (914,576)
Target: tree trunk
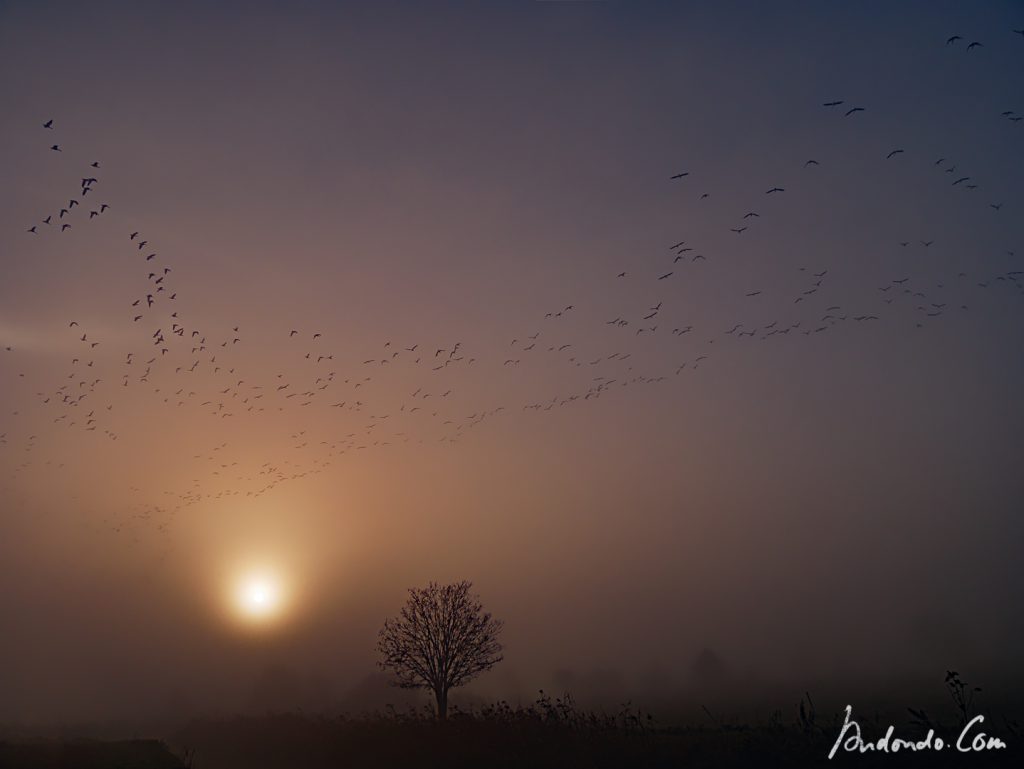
(441,695)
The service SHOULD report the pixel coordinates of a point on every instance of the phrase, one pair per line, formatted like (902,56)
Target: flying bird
(975,45)
(775,189)
(680,175)
(854,109)
(48,124)
(832,103)
(893,154)
(953,39)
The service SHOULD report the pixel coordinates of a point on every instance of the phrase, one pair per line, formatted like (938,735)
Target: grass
(88,754)
(549,732)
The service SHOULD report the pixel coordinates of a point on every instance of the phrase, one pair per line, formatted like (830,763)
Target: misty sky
(797,444)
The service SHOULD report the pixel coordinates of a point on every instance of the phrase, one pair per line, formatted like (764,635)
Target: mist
(835,512)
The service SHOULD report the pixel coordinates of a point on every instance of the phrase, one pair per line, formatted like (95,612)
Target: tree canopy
(441,639)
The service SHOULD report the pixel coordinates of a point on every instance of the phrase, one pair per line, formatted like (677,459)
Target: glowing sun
(259,596)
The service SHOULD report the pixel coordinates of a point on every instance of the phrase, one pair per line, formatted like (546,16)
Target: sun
(259,597)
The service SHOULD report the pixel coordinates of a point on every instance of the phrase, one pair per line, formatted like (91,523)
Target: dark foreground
(88,754)
(551,733)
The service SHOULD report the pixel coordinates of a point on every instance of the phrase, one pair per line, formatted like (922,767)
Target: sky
(595,305)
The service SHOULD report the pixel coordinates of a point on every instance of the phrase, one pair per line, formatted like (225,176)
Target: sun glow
(259,597)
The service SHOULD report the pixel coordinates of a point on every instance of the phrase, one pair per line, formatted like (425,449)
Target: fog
(833,510)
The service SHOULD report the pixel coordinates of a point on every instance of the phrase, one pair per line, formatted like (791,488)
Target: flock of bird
(178,362)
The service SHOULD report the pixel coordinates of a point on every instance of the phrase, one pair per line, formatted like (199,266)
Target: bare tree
(442,639)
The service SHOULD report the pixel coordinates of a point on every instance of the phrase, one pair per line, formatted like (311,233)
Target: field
(548,733)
